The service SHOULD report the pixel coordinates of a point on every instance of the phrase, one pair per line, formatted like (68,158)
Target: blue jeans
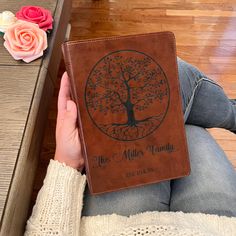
(211,186)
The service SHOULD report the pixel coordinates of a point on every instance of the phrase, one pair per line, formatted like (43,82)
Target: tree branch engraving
(121,93)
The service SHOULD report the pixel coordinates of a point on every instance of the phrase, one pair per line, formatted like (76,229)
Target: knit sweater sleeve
(59,203)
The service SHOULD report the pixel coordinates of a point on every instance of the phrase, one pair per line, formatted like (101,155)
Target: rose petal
(25,41)
(10,38)
(36,14)
(39,45)
(9,49)
(29,59)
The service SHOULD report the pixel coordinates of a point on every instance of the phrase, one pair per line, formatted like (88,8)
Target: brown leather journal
(129,109)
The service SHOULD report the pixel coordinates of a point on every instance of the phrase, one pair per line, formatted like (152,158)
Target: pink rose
(37,15)
(25,41)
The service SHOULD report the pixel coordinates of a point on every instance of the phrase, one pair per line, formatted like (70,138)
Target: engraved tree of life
(127,95)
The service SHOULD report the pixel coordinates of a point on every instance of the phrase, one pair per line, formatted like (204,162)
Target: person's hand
(68,147)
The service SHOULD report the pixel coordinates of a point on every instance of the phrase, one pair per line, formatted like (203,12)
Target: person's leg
(211,186)
(154,197)
(204,102)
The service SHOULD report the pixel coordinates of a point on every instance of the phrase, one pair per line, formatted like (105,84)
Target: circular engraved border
(167,108)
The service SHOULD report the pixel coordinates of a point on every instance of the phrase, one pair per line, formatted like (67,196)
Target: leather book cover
(129,109)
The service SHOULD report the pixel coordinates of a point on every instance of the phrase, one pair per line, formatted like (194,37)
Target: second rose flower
(37,15)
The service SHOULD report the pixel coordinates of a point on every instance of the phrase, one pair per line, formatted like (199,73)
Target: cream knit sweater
(58,212)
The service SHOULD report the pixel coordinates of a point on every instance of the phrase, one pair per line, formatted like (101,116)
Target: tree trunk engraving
(127,95)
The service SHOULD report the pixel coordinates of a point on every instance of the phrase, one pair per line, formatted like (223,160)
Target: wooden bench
(25,92)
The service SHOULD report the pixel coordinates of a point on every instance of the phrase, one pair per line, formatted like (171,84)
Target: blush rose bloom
(37,15)
(25,41)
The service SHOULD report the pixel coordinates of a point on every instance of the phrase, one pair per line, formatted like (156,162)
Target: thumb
(70,119)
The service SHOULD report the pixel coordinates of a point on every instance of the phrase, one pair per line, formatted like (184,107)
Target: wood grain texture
(15,103)
(16,208)
(8,162)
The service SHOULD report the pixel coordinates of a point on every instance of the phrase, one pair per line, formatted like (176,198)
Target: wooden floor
(205,32)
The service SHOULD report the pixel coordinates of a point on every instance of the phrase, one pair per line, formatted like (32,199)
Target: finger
(64,92)
(63,97)
(70,118)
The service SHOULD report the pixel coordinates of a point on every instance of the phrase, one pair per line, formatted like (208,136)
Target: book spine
(75,98)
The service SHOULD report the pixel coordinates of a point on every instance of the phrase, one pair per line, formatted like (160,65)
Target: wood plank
(6,173)
(222,134)
(198,52)
(16,208)
(205,12)
(17,87)
(173,4)
(114,16)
